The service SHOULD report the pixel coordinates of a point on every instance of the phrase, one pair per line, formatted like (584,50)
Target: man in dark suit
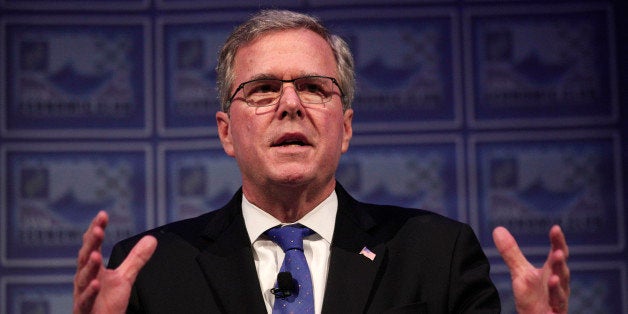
(286,88)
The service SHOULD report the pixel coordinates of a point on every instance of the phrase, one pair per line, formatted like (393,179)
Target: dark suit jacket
(424,263)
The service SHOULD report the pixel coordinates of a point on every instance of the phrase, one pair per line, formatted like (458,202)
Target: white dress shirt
(269,256)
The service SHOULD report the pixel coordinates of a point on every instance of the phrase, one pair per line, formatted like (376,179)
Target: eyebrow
(262,76)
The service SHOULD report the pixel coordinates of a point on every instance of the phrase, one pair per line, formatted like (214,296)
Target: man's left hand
(537,290)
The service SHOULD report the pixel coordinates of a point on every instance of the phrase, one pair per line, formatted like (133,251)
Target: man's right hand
(101,290)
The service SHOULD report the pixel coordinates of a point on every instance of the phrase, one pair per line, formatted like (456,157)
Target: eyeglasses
(266,92)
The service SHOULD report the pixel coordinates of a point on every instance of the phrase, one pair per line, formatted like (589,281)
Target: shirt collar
(321,219)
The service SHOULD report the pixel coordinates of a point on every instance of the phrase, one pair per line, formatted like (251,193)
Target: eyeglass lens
(311,90)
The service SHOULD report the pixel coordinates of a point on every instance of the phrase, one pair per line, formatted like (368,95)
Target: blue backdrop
(490,112)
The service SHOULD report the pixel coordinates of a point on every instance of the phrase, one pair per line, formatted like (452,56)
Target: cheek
(240,126)
(334,131)
(246,137)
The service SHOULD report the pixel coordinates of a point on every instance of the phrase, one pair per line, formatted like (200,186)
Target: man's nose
(289,105)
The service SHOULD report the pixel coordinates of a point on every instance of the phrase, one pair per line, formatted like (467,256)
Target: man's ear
(348,129)
(224,133)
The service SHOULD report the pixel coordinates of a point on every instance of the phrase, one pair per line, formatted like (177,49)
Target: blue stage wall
(490,112)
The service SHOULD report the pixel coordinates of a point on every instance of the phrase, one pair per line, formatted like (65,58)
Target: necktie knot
(289,237)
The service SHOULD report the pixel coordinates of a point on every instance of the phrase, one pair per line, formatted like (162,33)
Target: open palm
(537,290)
(101,290)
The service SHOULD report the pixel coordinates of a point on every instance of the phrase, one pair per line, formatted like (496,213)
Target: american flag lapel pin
(367,253)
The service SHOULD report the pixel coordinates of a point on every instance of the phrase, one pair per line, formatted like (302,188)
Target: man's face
(287,143)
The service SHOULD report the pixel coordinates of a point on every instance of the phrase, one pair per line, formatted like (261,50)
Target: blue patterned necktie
(290,239)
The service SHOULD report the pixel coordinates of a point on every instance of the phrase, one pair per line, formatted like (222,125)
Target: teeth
(293,143)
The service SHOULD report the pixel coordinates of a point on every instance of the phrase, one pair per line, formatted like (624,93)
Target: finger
(509,250)
(558,256)
(558,241)
(558,297)
(85,275)
(560,269)
(138,257)
(84,302)
(92,238)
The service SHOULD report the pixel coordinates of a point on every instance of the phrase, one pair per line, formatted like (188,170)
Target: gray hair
(276,20)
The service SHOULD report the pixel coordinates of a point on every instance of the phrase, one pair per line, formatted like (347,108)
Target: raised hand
(537,290)
(101,290)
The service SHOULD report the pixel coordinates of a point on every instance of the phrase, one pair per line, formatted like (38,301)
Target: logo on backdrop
(66,76)
(532,68)
(530,185)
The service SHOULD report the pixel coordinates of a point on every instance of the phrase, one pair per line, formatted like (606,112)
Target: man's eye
(312,88)
(262,88)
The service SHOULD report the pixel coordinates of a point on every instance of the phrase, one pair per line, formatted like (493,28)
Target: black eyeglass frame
(241,86)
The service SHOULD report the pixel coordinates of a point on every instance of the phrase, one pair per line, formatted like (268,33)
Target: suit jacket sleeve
(471,288)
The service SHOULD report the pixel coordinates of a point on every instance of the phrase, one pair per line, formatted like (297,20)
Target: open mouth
(291,143)
(291,140)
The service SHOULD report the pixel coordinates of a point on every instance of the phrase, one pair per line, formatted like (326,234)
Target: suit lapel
(351,275)
(227,262)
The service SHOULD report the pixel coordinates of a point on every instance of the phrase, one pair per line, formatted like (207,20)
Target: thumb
(138,257)
(509,250)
